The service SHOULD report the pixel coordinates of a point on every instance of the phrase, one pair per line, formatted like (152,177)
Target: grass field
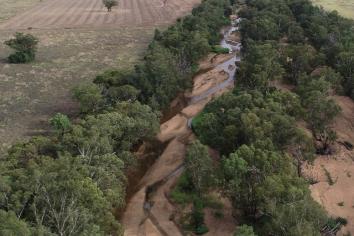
(344,7)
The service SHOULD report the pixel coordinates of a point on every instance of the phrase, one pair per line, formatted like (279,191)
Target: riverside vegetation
(255,126)
(69,183)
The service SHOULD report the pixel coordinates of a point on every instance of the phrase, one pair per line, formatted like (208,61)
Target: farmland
(53,14)
(78,39)
(344,7)
(10,8)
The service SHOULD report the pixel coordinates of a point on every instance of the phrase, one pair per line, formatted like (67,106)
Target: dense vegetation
(254,127)
(71,182)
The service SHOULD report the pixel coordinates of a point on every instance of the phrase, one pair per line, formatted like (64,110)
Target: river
(149,211)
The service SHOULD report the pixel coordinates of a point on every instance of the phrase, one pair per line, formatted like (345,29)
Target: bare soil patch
(335,173)
(334,190)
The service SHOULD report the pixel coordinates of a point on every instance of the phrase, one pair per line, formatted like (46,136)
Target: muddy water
(149,211)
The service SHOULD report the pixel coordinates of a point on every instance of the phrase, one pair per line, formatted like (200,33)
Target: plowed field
(53,14)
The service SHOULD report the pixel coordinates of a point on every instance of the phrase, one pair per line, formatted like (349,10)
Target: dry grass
(344,7)
(9,8)
(30,94)
(54,14)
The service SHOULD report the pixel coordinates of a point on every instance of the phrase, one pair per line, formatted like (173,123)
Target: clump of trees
(109,4)
(69,183)
(25,46)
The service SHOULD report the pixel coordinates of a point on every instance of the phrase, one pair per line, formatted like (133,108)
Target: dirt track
(54,14)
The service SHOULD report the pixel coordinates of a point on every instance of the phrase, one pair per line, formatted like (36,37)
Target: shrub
(89,96)
(201,230)
(179,197)
(219,50)
(184,191)
(25,46)
(197,218)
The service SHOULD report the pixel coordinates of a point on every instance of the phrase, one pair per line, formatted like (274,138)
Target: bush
(201,230)
(245,230)
(20,57)
(180,197)
(197,218)
(184,191)
(89,96)
(25,46)
(219,50)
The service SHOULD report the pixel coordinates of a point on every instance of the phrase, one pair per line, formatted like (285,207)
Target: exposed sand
(149,212)
(212,60)
(340,167)
(223,226)
(344,123)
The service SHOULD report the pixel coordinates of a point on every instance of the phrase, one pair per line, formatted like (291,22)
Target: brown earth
(337,197)
(150,210)
(53,14)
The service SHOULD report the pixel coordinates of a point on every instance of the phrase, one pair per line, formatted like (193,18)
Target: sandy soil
(235,36)
(150,210)
(344,123)
(207,80)
(223,226)
(337,198)
(212,60)
(53,14)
